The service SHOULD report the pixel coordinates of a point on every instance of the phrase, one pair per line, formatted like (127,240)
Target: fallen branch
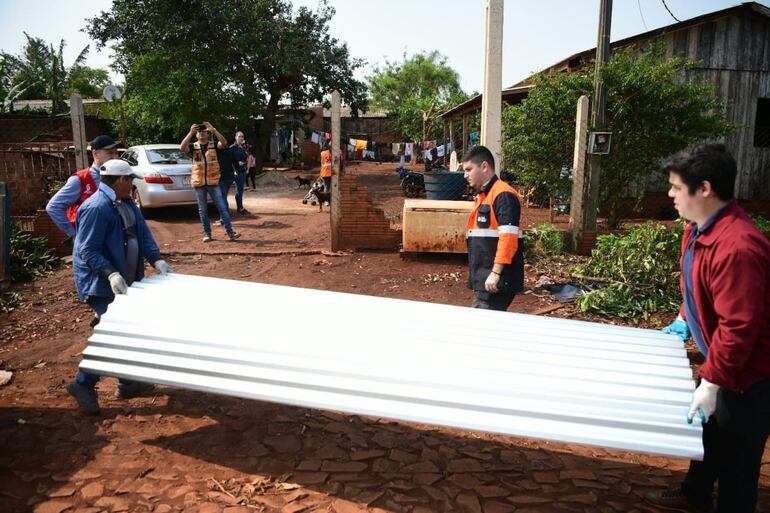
(222,488)
(547,309)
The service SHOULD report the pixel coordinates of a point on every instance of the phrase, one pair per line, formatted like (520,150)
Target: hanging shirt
(360,144)
(440,151)
(314,137)
(409,149)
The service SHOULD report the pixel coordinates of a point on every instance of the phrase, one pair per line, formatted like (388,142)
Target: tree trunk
(264,129)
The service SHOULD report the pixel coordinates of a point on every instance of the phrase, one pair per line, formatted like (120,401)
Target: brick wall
(29,173)
(362,225)
(44,227)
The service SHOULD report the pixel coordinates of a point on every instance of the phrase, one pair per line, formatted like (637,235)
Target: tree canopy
(39,73)
(415,91)
(652,111)
(230,62)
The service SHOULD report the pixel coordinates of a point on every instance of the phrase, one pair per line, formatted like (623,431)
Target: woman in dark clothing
(252,169)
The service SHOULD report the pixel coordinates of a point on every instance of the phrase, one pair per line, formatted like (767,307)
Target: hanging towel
(440,151)
(314,137)
(396,147)
(409,150)
(360,144)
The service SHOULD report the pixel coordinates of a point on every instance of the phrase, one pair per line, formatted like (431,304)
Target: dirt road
(184,451)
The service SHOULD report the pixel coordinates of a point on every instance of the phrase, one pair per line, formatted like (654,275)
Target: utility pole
(597,113)
(491,101)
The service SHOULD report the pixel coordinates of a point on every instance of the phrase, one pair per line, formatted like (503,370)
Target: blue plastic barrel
(444,185)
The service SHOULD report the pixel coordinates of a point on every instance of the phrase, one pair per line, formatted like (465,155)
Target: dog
(303,181)
(321,197)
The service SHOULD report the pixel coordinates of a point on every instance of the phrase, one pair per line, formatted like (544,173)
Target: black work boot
(674,499)
(130,389)
(85,396)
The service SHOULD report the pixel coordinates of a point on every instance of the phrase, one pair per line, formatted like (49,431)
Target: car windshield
(167,156)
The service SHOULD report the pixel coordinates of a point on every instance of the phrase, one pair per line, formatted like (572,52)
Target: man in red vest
(495,248)
(63,206)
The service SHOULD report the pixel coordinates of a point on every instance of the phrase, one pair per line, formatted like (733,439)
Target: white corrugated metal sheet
(516,374)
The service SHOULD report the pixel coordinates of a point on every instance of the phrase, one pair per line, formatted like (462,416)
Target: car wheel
(138,200)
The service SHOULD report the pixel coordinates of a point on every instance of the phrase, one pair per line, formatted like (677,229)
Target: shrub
(761,223)
(542,242)
(30,259)
(639,272)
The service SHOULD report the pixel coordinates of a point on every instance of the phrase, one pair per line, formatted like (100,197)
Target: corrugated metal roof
(515,374)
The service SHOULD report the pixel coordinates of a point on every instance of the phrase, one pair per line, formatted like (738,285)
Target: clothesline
(369,148)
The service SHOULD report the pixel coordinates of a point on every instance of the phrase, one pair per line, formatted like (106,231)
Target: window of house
(762,124)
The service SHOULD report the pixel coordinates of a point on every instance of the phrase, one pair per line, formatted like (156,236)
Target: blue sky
(536,33)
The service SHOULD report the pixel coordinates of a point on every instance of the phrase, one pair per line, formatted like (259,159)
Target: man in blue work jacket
(112,243)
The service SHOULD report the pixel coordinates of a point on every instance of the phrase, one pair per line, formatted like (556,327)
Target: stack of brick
(363,226)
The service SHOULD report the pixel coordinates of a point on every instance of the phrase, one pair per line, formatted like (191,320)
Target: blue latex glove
(678,328)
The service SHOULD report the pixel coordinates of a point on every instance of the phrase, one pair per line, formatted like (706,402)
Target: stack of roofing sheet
(524,375)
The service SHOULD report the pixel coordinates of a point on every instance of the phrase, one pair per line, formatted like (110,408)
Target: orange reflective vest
(205,168)
(87,189)
(326,164)
(493,237)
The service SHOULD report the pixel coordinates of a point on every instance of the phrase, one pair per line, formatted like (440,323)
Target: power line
(641,15)
(669,11)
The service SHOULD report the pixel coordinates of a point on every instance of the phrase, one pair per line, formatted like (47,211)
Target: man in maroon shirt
(725,285)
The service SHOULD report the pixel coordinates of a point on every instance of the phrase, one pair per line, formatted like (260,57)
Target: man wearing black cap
(112,243)
(63,206)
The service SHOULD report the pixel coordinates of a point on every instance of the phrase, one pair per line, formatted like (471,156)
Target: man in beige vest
(205,175)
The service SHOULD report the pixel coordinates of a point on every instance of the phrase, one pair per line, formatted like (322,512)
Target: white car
(163,175)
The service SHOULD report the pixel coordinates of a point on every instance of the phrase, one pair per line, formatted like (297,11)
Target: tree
(415,91)
(228,62)
(39,73)
(652,112)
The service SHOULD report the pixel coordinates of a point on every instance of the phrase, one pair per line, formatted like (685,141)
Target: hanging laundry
(352,142)
(440,151)
(426,145)
(327,135)
(409,150)
(360,144)
(426,155)
(395,147)
(314,137)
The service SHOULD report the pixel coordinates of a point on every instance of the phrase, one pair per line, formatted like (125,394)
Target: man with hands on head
(112,243)
(725,285)
(495,250)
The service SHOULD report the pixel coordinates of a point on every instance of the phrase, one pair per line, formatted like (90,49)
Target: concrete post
(336,206)
(491,101)
(577,200)
(78,131)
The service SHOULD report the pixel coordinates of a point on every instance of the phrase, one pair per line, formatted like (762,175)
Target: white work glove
(491,284)
(117,283)
(162,267)
(704,401)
